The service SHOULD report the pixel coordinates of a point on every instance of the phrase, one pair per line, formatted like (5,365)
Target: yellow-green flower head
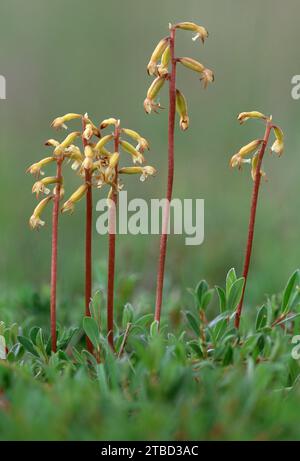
(59,122)
(142,143)
(200,31)
(35,221)
(157,53)
(244,116)
(154,89)
(137,157)
(162,68)
(60,149)
(40,186)
(75,197)
(239,158)
(144,171)
(36,168)
(103,141)
(181,107)
(278,145)
(107,122)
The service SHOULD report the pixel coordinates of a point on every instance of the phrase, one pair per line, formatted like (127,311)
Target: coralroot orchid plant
(61,151)
(256,149)
(110,175)
(162,57)
(97,167)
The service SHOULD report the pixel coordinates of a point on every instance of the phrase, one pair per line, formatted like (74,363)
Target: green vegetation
(198,378)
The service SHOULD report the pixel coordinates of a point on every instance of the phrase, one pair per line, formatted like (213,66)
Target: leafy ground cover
(195,378)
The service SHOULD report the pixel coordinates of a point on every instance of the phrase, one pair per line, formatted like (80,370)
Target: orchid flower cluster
(158,66)
(95,157)
(249,153)
(253,154)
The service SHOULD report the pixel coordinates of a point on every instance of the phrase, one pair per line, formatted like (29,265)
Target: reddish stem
(55,214)
(111,252)
(88,242)
(166,216)
(252,220)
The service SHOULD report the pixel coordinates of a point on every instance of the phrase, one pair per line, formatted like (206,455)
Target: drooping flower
(200,31)
(75,197)
(157,53)
(278,145)
(35,221)
(59,122)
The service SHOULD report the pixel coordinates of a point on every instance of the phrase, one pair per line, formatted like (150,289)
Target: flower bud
(88,132)
(278,145)
(157,53)
(75,197)
(59,122)
(51,142)
(244,116)
(192,64)
(107,122)
(200,31)
(103,141)
(88,160)
(181,107)
(35,220)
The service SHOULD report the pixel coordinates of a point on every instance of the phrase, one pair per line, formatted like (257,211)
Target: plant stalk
(55,214)
(88,241)
(166,215)
(111,251)
(252,219)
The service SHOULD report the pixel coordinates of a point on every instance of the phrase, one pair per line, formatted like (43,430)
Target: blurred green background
(74,56)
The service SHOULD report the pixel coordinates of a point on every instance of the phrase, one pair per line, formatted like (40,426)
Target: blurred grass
(91,56)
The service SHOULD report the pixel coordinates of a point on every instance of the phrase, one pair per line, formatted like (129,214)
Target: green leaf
(194,323)
(91,329)
(28,346)
(127,315)
(2,348)
(32,334)
(235,294)
(222,299)
(207,299)
(289,291)
(154,328)
(220,329)
(40,343)
(228,355)
(261,318)
(200,291)
(230,279)
(101,375)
